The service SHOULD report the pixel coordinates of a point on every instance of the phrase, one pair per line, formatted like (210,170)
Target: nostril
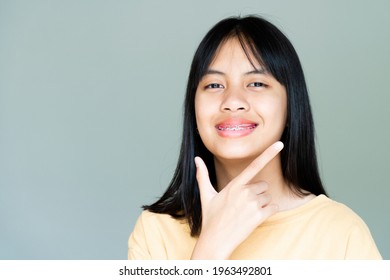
(237,109)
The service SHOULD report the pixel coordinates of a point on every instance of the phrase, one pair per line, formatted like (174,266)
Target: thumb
(206,189)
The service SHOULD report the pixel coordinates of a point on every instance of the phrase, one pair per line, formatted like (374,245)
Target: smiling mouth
(238,127)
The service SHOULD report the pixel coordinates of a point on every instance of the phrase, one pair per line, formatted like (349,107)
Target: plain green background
(91,97)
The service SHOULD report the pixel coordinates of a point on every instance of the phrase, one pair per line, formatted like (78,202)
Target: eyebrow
(256,71)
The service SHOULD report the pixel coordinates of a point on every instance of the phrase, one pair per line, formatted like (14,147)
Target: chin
(236,154)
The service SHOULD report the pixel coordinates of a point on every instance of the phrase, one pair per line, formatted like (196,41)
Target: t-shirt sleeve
(361,245)
(137,245)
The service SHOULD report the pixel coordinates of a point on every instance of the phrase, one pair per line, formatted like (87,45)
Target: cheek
(203,110)
(273,111)
(283,111)
(198,111)
(204,113)
(280,115)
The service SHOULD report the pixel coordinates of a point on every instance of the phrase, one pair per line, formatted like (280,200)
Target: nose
(234,101)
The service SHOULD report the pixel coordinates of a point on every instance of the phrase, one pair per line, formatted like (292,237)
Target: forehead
(233,53)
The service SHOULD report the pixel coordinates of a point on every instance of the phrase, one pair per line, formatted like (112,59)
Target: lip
(236,127)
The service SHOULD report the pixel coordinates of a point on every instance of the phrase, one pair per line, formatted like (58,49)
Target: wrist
(211,249)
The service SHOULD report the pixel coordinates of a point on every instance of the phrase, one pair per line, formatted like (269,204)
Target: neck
(227,170)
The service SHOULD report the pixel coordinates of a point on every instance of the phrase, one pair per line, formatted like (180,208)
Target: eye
(256,84)
(213,86)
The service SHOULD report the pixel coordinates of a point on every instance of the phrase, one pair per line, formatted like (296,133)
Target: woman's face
(240,111)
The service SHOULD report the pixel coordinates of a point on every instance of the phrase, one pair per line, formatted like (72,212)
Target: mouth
(235,128)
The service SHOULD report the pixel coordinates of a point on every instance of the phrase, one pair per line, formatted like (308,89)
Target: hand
(230,216)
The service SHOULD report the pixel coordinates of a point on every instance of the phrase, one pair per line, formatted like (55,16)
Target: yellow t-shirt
(319,229)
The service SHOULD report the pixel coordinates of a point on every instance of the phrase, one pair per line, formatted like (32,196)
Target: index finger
(258,164)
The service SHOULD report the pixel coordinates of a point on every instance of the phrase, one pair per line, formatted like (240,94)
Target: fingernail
(278,145)
(196,159)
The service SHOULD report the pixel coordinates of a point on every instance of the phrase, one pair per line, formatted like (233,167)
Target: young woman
(247,184)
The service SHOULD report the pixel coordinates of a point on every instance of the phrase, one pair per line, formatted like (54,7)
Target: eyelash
(213,86)
(216,86)
(259,84)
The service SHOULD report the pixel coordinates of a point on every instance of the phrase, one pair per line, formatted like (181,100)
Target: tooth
(236,127)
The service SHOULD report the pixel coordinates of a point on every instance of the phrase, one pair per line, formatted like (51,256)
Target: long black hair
(276,54)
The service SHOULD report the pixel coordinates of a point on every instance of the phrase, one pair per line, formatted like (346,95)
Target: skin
(250,185)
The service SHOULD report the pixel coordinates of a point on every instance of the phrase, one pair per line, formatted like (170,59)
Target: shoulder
(325,215)
(349,228)
(146,239)
(156,236)
(147,217)
(157,225)
(336,212)
(150,219)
